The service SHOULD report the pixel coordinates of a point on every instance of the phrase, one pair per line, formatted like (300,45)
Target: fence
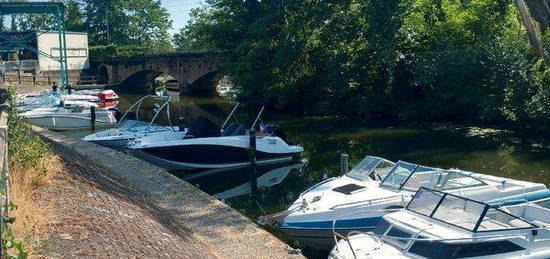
(29,79)
(4,183)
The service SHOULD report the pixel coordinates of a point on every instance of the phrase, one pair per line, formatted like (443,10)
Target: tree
(128,22)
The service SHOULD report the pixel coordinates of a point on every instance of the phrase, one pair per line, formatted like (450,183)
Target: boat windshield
(464,213)
(398,175)
(371,167)
(411,177)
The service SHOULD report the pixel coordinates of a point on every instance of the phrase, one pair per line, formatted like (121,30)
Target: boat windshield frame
(394,169)
(446,177)
(137,106)
(261,102)
(358,172)
(479,220)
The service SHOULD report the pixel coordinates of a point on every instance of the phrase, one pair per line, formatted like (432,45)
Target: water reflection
(247,186)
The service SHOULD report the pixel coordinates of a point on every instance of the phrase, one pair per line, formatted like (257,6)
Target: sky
(179,11)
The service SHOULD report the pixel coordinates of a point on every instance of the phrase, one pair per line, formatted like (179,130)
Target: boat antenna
(230,115)
(258,117)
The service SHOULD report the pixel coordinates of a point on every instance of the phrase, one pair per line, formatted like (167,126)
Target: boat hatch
(464,213)
(348,188)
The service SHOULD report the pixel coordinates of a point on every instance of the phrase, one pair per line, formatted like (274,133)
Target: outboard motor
(117,113)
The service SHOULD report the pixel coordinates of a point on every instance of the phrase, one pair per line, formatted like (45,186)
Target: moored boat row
(68,110)
(357,200)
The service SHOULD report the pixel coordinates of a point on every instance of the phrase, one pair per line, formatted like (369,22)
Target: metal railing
(4,183)
(16,65)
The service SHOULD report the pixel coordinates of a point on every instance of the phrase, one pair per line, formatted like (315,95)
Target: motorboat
(129,129)
(103,95)
(309,219)
(62,118)
(48,98)
(437,224)
(69,104)
(206,145)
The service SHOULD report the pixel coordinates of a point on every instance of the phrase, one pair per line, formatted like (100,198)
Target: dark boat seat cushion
(229,129)
(204,128)
(234,129)
(241,130)
(348,188)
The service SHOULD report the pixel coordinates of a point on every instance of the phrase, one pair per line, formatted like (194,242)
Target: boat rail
(316,185)
(335,233)
(137,106)
(371,201)
(378,239)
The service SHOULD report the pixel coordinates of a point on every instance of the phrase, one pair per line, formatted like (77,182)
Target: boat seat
(204,128)
(536,213)
(542,224)
(77,109)
(227,131)
(241,130)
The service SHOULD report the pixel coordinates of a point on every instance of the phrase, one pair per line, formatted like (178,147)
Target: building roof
(42,31)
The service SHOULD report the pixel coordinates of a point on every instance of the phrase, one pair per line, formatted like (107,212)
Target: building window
(71,52)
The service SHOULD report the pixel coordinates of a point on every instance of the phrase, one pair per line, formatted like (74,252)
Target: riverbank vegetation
(413,60)
(30,163)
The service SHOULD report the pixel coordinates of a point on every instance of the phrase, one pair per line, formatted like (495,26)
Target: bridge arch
(208,81)
(191,71)
(144,79)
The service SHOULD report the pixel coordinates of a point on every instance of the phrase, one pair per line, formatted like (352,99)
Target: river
(488,151)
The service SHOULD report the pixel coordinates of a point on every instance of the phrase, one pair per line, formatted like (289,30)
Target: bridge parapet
(186,68)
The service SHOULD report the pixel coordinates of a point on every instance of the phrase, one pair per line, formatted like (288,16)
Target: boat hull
(319,234)
(112,143)
(206,156)
(320,239)
(68,122)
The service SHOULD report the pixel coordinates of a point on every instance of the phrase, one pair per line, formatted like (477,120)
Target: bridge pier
(184,88)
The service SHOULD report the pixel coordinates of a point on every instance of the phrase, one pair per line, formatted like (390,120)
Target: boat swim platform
(224,230)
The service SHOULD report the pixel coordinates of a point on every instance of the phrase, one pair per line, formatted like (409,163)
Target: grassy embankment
(31,165)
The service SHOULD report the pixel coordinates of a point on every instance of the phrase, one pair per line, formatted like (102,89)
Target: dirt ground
(78,212)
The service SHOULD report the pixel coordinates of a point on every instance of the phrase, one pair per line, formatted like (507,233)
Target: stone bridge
(189,71)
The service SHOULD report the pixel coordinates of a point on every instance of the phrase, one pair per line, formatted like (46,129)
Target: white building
(48,42)
(77,50)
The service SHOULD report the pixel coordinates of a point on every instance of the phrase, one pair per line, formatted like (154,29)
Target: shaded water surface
(270,189)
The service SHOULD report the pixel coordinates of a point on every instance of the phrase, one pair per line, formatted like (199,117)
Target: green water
(487,151)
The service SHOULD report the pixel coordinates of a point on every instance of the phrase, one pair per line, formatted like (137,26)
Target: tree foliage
(402,59)
(143,23)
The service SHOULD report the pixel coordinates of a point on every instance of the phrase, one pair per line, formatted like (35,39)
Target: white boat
(205,145)
(70,104)
(128,129)
(436,225)
(61,118)
(309,219)
(48,98)
(103,95)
